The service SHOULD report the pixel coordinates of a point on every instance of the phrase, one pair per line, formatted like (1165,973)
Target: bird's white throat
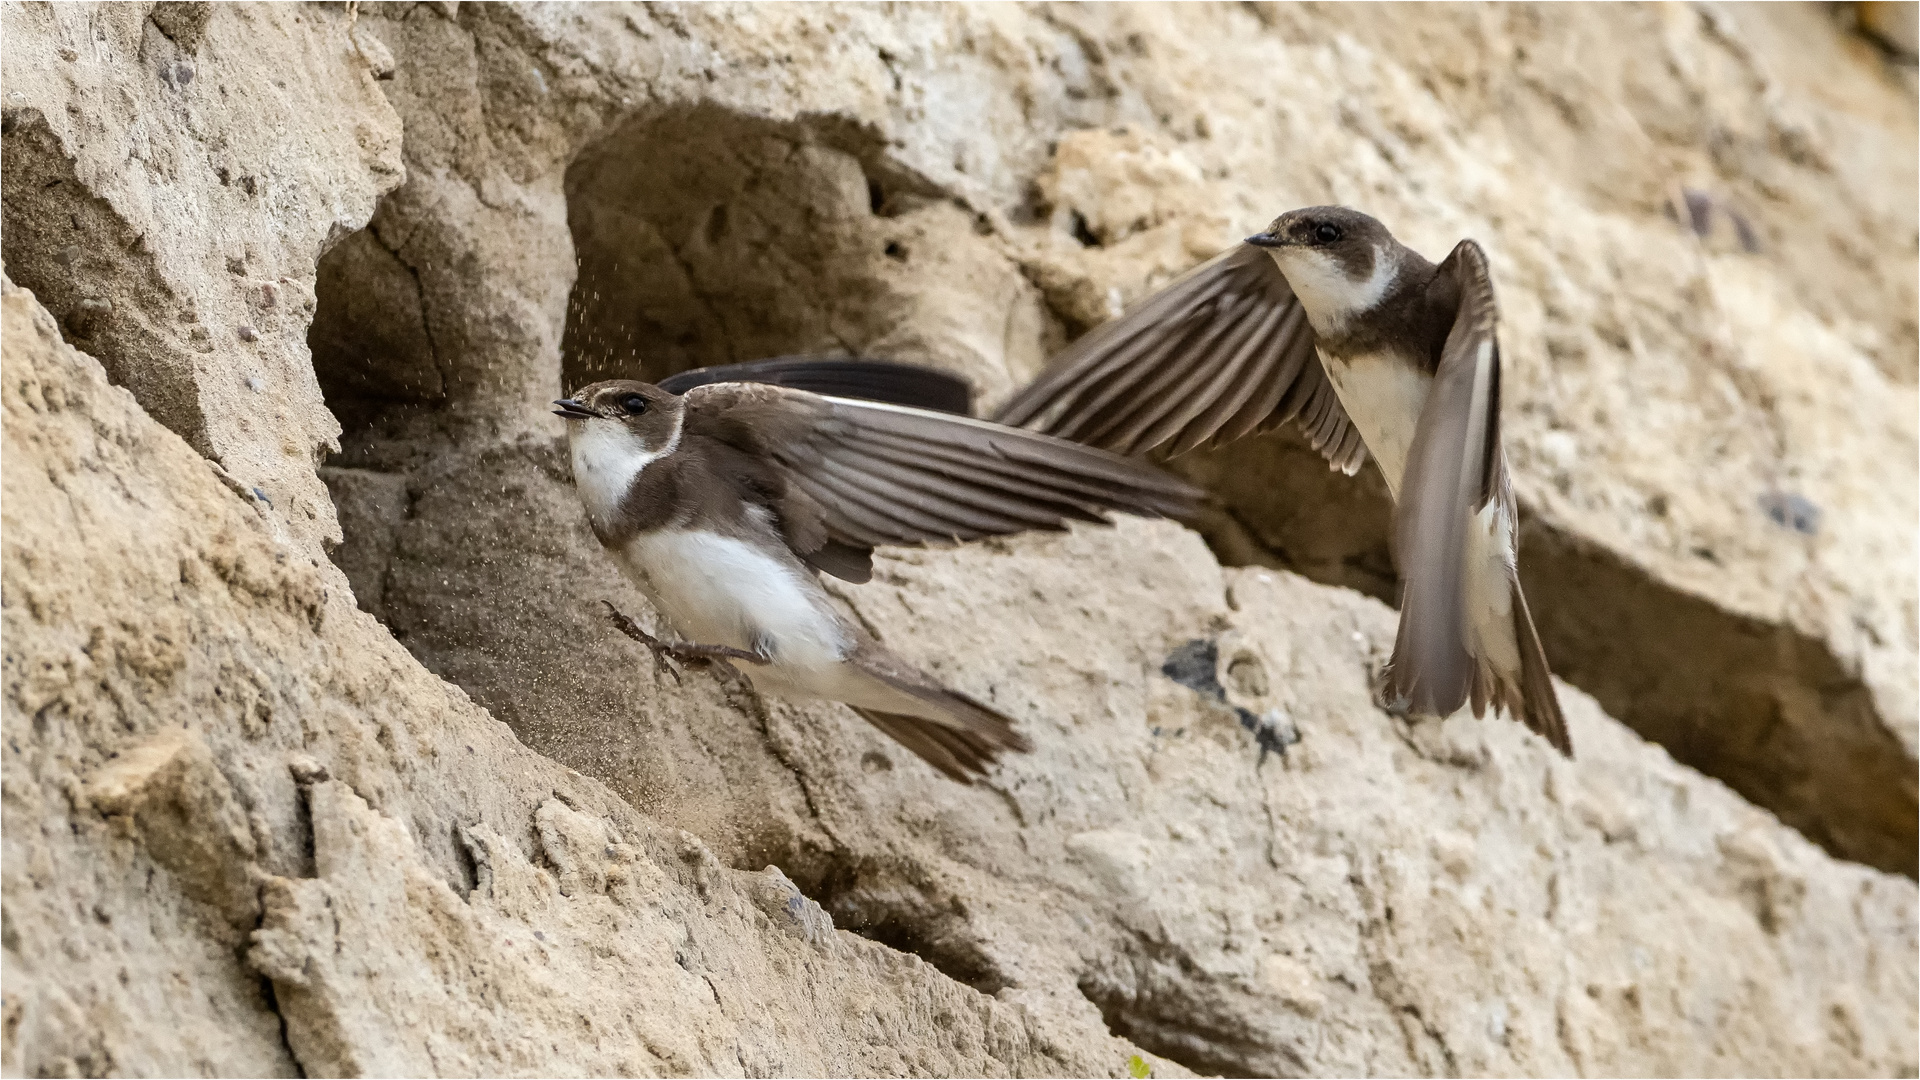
(1328,294)
(607,458)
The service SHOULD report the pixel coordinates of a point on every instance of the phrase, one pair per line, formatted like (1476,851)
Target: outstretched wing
(1223,352)
(858,474)
(840,376)
(1454,530)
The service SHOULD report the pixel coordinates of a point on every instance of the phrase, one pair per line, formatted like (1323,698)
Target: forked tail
(964,746)
(1540,705)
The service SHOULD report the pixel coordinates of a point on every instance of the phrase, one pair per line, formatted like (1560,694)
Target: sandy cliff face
(319,757)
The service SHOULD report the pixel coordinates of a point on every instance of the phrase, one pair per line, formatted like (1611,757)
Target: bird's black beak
(572,410)
(1266,240)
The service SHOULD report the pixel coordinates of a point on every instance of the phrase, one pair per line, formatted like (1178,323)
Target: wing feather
(1262,411)
(857,474)
(846,516)
(840,376)
(1115,350)
(1033,494)
(1208,359)
(1123,380)
(1057,460)
(944,511)
(1209,415)
(1239,344)
(908,514)
(981,494)
(1454,472)
(1140,388)
(1434,663)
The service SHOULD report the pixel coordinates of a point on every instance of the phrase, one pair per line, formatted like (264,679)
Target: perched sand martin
(1327,320)
(723,503)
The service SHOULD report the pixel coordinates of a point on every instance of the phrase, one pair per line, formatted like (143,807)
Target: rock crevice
(351,754)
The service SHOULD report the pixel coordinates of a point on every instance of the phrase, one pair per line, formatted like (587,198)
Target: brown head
(1340,262)
(616,429)
(643,414)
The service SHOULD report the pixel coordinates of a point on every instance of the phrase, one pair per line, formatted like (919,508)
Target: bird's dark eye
(1326,233)
(634,404)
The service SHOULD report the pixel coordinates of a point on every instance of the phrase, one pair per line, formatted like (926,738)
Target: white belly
(1383,396)
(718,590)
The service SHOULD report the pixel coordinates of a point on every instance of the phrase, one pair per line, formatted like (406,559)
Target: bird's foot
(658,648)
(688,653)
(1387,698)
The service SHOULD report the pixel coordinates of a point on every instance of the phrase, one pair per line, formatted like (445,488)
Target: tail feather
(1540,706)
(1430,673)
(956,734)
(961,755)
(1530,698)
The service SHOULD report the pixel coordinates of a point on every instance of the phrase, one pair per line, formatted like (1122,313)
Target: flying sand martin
(722,504)
(1327,320)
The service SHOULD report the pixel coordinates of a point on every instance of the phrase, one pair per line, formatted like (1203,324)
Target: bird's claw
(660,649)
(688,653)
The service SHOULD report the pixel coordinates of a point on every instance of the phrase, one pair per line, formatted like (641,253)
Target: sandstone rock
(170,183)
(184,811)
(223,774)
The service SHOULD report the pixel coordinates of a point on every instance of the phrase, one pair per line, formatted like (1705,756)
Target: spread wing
(840,376)
(1223,352)
(1455,518)
(853,475)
